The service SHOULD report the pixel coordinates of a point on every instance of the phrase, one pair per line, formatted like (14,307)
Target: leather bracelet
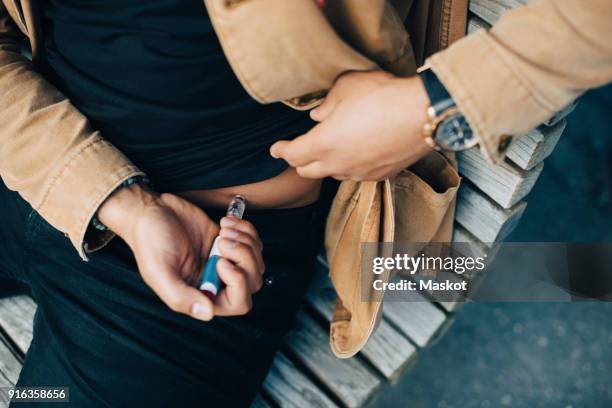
(95,222)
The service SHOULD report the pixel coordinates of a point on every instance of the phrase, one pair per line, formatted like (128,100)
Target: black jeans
(102,332)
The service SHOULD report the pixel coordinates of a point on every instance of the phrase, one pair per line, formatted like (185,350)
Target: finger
(242,226)
(323,111)
(246,239)
(300,151)
(235,298)
(244,258)
(242,237)
(177,294)
(343,83)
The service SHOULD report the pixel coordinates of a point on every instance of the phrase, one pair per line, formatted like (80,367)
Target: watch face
(455,134)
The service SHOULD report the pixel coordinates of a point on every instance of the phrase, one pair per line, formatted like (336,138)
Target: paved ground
(535,355)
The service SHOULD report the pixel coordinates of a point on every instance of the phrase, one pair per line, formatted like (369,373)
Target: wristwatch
(446,128)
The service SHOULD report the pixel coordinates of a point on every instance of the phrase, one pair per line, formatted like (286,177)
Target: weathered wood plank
(504,182)
(476,23)
(288,387)
(451,306)
(348,379)
(562,114)
(476,249)
(483,218)
(492,10)
(10,366)
(417,317)
(531,149)
(387,350)
(16,317)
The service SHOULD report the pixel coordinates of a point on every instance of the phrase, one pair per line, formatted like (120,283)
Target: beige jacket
(505,81)
(65,169)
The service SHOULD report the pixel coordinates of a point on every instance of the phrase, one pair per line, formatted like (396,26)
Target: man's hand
(371,128)
(171,239)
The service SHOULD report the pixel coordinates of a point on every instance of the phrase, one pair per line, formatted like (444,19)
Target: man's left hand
(371,127)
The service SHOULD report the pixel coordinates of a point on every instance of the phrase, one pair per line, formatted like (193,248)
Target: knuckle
(250,233)
(290,160)
(233,248)
(241,279)
(167,196)
(248,240)
(250,228)
(246,306)
(242,307)
(258,284)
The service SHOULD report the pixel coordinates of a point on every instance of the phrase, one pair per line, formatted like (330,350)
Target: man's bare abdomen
(287,190)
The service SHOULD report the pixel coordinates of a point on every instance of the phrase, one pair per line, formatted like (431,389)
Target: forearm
(48,151)
(532,63)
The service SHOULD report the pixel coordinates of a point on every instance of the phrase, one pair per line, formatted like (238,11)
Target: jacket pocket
(423,195)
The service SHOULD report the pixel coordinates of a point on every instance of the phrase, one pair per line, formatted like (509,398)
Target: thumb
(299,151)
(323,111)
(176,293)
(277,150)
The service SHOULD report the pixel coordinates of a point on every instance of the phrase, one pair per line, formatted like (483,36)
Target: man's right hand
(171,239)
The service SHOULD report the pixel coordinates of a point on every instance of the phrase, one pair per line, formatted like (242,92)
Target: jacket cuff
(81,186)
(495,101)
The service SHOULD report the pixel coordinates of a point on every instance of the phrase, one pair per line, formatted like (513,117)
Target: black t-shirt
(152,77)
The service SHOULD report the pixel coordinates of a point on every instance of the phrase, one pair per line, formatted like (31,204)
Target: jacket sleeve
(49,153)
(533,62)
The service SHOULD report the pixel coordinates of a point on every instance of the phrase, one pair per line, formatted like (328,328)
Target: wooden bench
(305,373)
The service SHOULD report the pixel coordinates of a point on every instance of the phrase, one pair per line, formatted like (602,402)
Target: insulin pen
(210,283)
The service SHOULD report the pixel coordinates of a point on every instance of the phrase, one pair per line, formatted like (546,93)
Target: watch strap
(439,97)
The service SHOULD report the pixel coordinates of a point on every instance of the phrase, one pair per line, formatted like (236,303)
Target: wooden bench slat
(476,23)
(483,218)
(10,366)
(16,317)
(387,350)
(492,10)
(504,183)
(289,388)
(348,379)
(562,114)
(531,150)
(417,317)
(476,249)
